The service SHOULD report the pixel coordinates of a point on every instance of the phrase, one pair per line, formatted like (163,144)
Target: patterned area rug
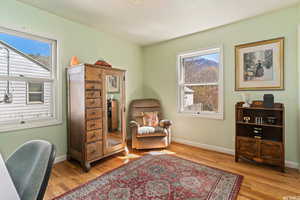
(156,177)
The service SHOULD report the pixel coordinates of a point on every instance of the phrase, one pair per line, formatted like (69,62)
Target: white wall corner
(59,159)
(290,164)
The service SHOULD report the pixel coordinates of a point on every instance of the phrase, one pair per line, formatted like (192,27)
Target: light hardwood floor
(260,182)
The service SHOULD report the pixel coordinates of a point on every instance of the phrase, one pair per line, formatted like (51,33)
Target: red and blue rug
(160,177)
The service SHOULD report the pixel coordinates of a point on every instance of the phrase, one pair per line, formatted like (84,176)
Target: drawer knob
(93,151)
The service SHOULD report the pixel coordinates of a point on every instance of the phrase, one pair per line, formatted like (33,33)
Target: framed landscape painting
(259,65)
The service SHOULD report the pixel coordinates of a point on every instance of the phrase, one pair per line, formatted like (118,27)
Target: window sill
(218,116)
(29,125)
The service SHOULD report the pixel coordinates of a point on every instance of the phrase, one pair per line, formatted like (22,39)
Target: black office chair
(30,168)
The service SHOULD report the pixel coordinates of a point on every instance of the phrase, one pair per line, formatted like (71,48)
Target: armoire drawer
(93,124)
(93,103)
(92,94)
(94,150)
(92,86)
(93,113)
(93,74)
(92,136)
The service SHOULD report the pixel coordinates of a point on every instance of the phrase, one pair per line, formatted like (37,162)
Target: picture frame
(113,84)
(260,65)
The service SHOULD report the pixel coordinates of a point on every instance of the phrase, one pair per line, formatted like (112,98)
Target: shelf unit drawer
(93,113)
(92,136)
(93,103)
(94,150)
(93,124)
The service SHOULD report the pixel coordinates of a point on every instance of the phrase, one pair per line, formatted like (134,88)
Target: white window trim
(180,83)
(56,80)
(28,102)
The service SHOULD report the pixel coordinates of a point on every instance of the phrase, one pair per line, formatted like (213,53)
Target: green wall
(74,39)
(152,70)
(160,77)
(298,80)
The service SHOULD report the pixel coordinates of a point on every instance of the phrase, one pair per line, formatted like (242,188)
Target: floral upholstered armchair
(148,128)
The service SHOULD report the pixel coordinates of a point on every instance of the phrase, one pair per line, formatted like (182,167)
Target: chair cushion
(150,119)
(28,166)
(139,120)
(149,130)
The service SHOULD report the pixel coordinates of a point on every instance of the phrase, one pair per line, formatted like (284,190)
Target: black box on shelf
(268,100)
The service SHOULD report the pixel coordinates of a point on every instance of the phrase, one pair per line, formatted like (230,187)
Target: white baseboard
(60,159)
(290,164)
(204,146)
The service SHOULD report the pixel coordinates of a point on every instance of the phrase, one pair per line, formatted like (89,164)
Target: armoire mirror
(114,101)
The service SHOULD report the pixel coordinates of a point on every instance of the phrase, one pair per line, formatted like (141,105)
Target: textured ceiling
(149,21)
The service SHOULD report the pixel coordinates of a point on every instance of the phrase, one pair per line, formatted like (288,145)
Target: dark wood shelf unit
(267,125)
(259,108)
(267,147)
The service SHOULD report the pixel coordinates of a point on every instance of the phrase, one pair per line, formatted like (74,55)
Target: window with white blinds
(28,81)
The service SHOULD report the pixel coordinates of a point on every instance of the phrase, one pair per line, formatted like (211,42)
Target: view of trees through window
(201,80)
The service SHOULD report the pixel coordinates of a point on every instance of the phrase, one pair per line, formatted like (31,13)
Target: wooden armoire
(91,89)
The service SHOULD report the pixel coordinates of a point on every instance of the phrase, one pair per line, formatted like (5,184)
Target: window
(35,93)
(29,82)
(200,83)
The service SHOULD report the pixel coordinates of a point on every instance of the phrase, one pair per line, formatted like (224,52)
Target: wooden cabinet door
(114,125)
(271,152)
(247,147)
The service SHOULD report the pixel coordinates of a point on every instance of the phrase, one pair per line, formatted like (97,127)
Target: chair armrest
(165,123)
(133,124)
